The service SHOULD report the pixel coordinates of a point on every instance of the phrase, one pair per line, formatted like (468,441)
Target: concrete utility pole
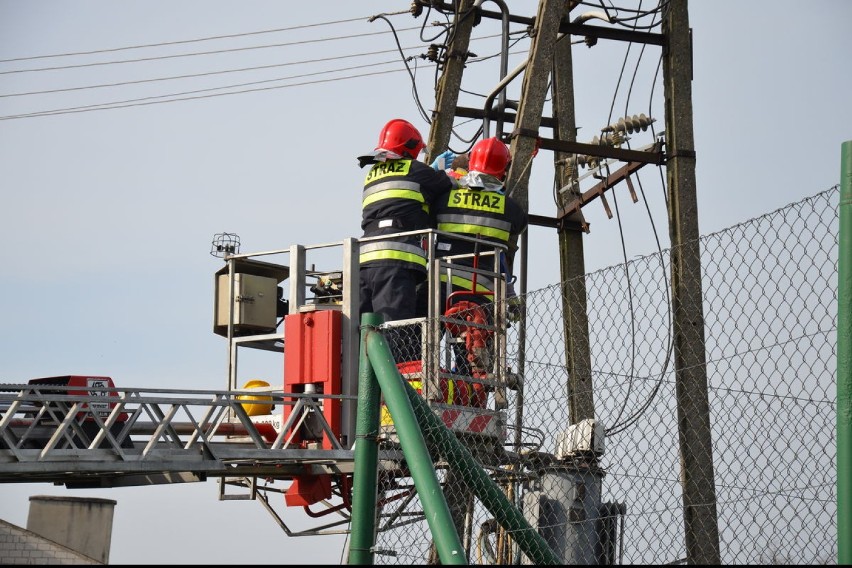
(449,85)
(578,359)
(533,93)
(696,446)
(528,120)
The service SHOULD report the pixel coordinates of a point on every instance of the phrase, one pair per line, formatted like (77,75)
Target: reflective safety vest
(483,214)
(396,199)
(475,213)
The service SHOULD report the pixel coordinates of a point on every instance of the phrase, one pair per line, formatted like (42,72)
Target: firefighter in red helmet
(478,208)
(398,193)
(490,156)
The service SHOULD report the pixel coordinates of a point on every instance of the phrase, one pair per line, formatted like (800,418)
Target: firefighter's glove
(443,161)
(514,308)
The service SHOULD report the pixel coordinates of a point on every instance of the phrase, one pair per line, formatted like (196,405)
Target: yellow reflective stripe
(392,184)
(474,230)
(466,284)
(393,194)
(392,255)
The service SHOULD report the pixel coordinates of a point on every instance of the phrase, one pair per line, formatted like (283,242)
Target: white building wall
(20,546)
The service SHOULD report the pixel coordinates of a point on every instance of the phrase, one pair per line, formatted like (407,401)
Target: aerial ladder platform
(258,438)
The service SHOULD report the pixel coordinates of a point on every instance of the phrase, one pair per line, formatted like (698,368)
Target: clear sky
(108,215)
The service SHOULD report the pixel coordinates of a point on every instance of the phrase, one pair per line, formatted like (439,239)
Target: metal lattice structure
(770,305)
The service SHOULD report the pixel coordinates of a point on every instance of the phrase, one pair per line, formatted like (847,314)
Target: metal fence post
(844,360)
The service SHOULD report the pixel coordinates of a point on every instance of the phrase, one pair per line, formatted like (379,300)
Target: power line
(195,75)
(174,97)
(124,104)
(179,42)
(161,57)
(225,71)
(132,103)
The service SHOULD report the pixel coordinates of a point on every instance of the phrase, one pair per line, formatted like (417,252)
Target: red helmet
(402,137)
(490,156)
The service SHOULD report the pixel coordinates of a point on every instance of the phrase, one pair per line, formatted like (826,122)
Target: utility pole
(527,123)
(696,447)
(446,100)
(528,120)
(575,319)
(533,93)
(449,85)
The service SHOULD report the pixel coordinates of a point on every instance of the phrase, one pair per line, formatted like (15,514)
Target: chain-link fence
(611,490)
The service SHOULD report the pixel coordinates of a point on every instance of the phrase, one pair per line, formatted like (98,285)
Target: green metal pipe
(465,465)
(364,484)
(447,541)
(475,479)
(844,361)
